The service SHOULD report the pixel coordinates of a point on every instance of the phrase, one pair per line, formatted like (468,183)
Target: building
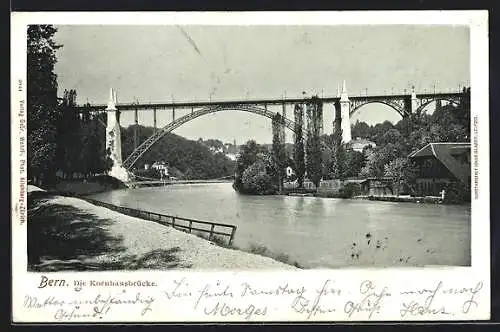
(359,144)
(231,156)
(216,149)
(441,164)
(289,171)
(161,166)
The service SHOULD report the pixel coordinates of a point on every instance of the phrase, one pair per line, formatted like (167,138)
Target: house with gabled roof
(441,164)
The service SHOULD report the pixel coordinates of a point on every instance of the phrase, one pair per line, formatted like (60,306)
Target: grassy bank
(253,248)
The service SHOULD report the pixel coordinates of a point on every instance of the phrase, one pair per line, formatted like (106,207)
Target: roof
(356,180)
(361,141)
(452,147)
(444,153)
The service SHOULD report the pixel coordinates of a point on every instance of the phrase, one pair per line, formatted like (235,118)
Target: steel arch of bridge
(397,106)
(147,144)
(402,105)
(424,102)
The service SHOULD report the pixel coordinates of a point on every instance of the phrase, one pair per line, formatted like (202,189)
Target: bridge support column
(345,107)
(154,119)
(136,122)
(113,140)
(414,101)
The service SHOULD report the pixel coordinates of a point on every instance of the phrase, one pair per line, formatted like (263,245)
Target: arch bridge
(344,107)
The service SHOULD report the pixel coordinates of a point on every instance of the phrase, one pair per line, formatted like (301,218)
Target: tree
(361,129)
(379,130)
(70,157)
(260,177)
(403,172)
(42,102)
(354,162)
(298,149)
(378,158)
(391,136)
(278,148)
(314,165)
(248,156)
(339,164)
(333,159)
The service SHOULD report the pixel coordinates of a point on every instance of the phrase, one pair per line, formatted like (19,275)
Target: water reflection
(319,232)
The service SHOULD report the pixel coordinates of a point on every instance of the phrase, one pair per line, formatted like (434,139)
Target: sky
(195,62)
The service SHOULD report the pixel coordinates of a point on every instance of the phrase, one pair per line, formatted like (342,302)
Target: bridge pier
(345,108)
(414,101)
(113,140)
(136,121)
(154,120)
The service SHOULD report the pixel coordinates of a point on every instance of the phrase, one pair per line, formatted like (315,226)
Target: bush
(456,193)
(256,180)
(349,190)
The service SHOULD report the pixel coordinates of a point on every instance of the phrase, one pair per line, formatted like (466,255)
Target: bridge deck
(273,101)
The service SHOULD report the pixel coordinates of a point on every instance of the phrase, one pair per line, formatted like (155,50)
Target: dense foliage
(278,149)
(298,151)
(81,147)
(42,104)
(260,177)
(189,159)
(314,162)
(255,172)
(59,138)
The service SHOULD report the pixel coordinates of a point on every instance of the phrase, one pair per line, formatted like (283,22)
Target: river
(319,232)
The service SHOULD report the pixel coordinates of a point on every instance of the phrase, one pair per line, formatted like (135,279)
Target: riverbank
(387,198)
(93,185)
(403,199)
(67,233)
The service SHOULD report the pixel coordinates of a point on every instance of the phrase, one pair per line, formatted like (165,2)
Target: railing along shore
(185,224)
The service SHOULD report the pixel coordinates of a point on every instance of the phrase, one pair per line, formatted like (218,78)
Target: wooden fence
(184,224)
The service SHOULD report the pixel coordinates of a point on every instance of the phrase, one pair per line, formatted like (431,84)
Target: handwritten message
(248,300)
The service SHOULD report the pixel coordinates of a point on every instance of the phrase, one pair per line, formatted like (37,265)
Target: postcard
(250,166)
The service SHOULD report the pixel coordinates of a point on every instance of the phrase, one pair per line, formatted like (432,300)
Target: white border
(348,279)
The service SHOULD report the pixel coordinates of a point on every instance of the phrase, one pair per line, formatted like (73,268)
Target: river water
(319,232)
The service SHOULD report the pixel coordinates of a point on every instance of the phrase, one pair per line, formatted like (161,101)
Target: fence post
(173,222)
(190,226)
(211,232)
(232,235)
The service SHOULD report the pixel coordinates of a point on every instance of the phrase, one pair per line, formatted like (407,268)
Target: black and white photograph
(250,167)
(277,147)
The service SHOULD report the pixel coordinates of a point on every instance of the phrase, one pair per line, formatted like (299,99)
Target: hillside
(190,159)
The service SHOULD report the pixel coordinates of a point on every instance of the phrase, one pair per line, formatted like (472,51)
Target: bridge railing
(184,224)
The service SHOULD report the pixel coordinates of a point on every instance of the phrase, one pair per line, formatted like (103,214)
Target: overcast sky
(161,63)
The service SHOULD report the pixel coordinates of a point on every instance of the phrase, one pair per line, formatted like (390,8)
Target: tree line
(59,139)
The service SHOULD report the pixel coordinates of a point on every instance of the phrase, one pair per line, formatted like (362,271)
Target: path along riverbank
(67,233)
